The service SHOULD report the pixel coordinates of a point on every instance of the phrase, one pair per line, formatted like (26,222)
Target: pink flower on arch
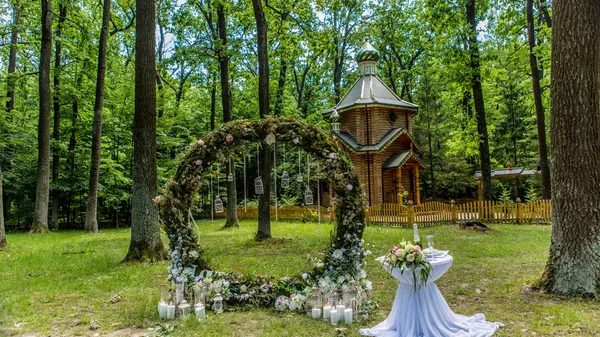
(349,187)
(395,249)
(201,142)
(229,138)
(198,162)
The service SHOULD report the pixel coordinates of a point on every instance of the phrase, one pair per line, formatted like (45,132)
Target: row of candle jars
(340,306)
(178,303)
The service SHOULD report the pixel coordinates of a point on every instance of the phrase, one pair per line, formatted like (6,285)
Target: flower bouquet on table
(409,255)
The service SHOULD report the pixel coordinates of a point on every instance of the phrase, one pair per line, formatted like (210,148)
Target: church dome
(367,53)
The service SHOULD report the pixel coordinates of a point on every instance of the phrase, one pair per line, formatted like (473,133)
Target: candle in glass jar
(334,316)
(316,313)
(340,309)
(348,316)
(162,309)
(200,311)
(327,312)
(171,311)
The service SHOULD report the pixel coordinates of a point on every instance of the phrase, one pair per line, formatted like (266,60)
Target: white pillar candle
(200,311)
(171,311)
(162,309)
(334,317)
(340,309)
(327,312)
(348,316)
(316,313)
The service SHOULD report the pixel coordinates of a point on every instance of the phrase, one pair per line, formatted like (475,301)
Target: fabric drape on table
(425,313)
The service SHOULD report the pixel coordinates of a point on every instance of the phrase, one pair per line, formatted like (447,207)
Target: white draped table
(424,312)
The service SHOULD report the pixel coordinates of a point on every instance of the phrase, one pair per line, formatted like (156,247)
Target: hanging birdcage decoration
(300,178)
(308,196)
(258,186)
(285,180)
(218,204)
(230,176)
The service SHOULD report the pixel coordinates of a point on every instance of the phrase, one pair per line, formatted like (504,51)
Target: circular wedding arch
(344,256)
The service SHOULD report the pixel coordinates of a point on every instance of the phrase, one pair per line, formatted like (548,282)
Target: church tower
(375,126)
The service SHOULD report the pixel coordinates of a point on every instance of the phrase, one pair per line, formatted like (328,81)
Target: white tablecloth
(425,313)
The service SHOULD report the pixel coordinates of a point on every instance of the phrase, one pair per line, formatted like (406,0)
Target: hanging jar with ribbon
(230,175)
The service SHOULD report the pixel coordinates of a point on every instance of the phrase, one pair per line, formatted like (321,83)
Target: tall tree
(10,82)
(540,114)
(40,220)
(12,58)
(265,155)
(91,217)
(573,267)
(145,243)
(227,101)
(3,242)
(62,10)
(484,147)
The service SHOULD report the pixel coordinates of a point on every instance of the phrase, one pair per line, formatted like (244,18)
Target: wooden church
(376,126)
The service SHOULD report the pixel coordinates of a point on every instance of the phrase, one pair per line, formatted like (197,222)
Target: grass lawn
(61,283)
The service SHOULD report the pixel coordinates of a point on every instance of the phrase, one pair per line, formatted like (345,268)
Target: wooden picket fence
(283,213)
(437,212)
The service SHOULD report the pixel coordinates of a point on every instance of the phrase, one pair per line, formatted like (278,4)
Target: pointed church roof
(369,89)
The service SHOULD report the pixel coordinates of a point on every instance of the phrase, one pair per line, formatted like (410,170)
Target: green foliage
(506,196)
(424,60)
(533,194)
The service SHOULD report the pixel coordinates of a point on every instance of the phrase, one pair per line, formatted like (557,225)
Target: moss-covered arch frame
(344,256)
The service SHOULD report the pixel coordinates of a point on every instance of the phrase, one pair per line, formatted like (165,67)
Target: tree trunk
(280,86)
(62,9)
(159,81)
(227,102)
(573,267)
(10,87)
(484,148)
(540,114)
(337,78)
(12,59)
(213,103)
(264,200)
(40,220)
(146,244)
(3,242)
(72,158)
(91,217)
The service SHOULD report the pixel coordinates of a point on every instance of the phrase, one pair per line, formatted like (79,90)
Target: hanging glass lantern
(218,204)
(313,301)
(285,180)
(258,186)
(350,296)
(230,176)
(217,306)
(308,196)
(300,178)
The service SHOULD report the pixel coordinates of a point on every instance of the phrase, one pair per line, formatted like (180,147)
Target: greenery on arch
(342,261)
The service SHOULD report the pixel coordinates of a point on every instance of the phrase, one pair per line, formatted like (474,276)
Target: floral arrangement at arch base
(339,264)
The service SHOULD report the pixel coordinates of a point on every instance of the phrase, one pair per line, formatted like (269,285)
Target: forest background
(427,58)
